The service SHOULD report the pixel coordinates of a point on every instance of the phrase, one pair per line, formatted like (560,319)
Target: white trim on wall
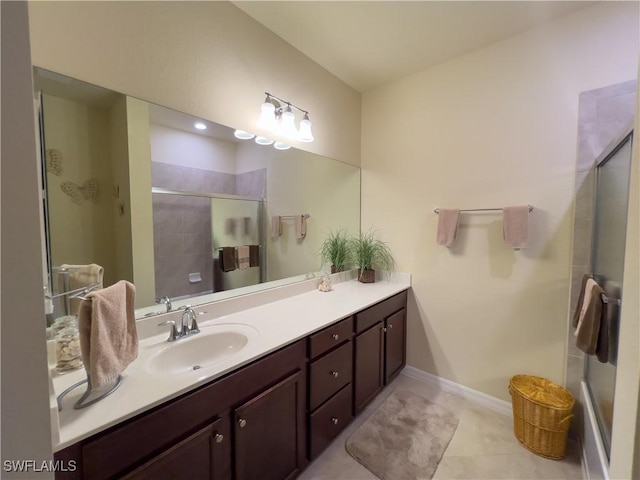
(492,403)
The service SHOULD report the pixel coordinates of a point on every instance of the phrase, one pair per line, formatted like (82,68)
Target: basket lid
(542,391)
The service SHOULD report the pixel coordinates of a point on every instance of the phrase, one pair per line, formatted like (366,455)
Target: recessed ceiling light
(200,126)
(263,141)
(242,135)
(281,146)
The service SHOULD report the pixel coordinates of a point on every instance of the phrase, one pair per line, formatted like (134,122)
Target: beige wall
(80,233)
(25,402)
(204,58)
(492,128)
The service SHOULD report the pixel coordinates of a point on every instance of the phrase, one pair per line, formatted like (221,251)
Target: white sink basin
(212,345)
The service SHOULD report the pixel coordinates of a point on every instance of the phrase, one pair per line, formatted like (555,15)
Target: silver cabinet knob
(335,374)
(335,336)
(334,420)
(389,326)
(218,438)
(384,329)
(242,422)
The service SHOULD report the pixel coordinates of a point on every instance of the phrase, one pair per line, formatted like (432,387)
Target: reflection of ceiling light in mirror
(263,141)
(200,126)
(281,146)
(242,135)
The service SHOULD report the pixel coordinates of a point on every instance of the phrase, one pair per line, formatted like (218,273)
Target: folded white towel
(301,226)
(447,226)
(516,226)
(276,226)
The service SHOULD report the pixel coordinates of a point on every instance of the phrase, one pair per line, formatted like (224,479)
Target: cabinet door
(368,366)
(395,344)
(270,432)
(204,455)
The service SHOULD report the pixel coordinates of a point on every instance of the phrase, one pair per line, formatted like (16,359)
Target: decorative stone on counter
(325,284)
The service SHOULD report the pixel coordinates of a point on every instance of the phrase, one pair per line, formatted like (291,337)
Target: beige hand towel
(447,226)
(243,257)
(589,323)
(516,226)
(276,226)
(300,222)
(108,335)
(583,288)
(82,276)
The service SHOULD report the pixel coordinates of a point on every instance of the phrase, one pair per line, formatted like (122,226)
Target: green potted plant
(335,251)
(371,254)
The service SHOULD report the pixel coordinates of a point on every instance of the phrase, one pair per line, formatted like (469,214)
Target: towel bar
(611,300)
(437,210)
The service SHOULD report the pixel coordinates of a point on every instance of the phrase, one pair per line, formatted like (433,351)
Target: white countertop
(270,326)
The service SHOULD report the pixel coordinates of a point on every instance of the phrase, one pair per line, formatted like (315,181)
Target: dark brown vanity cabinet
(264,421)
(255,415)
(269,432)
(330,390)
(379,348)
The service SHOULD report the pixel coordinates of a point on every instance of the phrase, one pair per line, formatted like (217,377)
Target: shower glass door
(609,236)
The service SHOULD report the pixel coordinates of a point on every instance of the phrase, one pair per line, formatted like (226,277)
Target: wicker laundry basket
(541,415)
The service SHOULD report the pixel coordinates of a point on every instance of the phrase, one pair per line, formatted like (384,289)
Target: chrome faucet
(187,315)
(166,300)
(184,329)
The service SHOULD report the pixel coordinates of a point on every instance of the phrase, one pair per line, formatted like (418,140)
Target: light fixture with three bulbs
(276,115)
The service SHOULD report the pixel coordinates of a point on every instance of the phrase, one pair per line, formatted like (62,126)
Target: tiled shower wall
(603,115)
(182,224)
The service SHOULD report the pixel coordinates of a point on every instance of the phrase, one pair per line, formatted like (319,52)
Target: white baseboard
(493,403)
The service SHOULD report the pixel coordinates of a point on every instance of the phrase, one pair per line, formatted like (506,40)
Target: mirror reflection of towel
(82,276)
(254,255)
(227,259)
(276,226)
(243,257)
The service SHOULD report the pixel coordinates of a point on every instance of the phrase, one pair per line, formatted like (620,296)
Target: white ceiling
(369,43)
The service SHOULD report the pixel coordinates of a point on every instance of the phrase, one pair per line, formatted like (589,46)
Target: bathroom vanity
(266,417)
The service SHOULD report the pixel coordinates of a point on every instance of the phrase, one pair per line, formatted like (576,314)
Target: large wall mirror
(150,196)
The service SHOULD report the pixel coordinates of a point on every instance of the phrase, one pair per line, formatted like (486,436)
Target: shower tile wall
(182,225)
(603,114)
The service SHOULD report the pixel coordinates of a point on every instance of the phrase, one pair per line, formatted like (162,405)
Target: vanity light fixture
(276,115)
(200,126)
(242,135)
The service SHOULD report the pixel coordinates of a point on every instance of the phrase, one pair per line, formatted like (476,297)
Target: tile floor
(483,446)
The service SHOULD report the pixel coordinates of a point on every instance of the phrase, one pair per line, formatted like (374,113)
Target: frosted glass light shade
(242,135)
(281,146)
(263,141)
(288,124)
(267,118)
(305,130)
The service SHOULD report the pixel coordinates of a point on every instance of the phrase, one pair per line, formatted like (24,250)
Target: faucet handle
(194,325)
(173,332)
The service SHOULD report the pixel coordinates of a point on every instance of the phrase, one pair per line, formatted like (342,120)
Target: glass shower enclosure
(607,266)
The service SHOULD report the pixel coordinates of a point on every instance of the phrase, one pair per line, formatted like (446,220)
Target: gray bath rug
(404,439)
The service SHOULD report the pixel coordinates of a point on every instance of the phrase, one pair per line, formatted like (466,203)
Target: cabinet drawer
(329,374)
(380,311)
(330,337)
(329,420)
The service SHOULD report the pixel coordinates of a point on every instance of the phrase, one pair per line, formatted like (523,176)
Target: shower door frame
(626,137)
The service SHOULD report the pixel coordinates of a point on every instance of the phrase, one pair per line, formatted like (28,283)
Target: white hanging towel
(516,226)
(447,226)
(301,226)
